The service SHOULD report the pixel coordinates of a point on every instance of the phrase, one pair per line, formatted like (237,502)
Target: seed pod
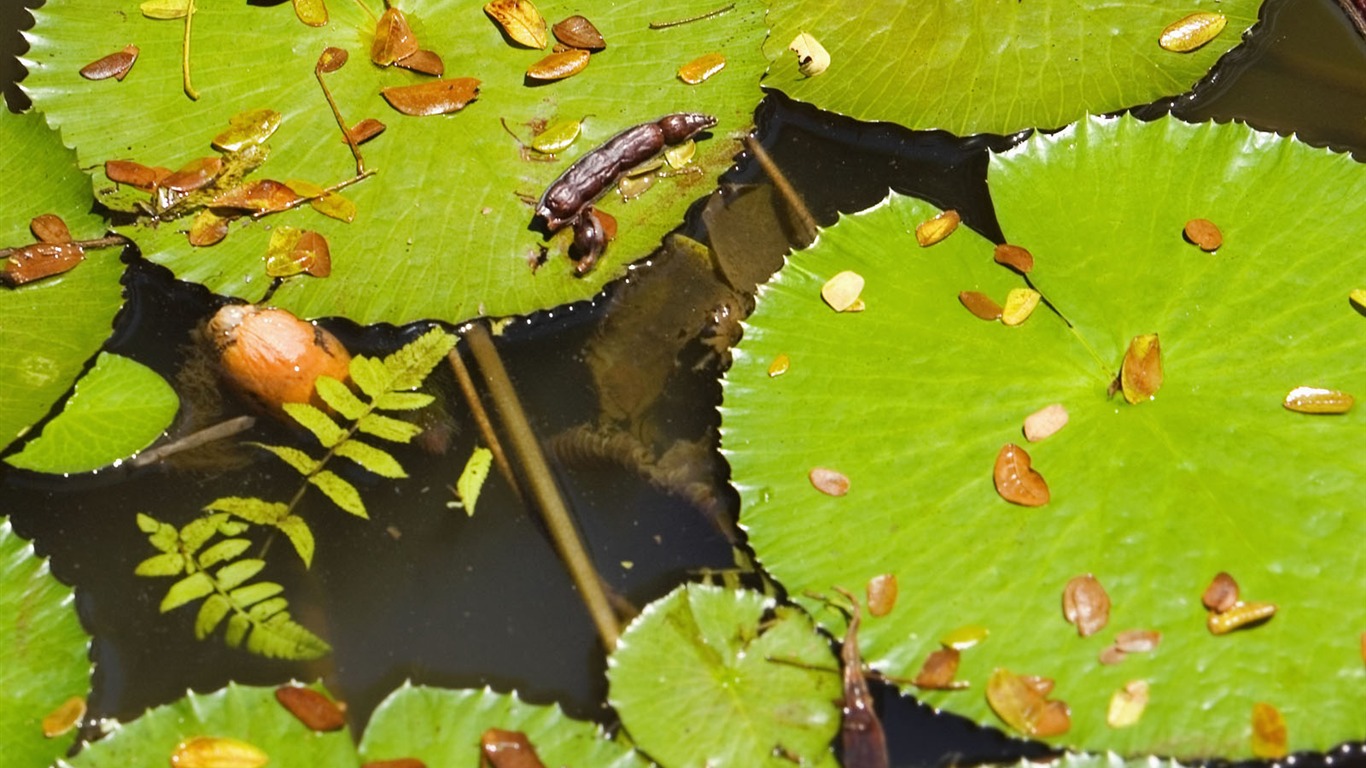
(1015,257)
(217,752)
(507,749)
(134,174)
(980,304)
(936,228)
(273,357)
(1269,738)
(938,671)
(1045,422)
(1086,604)
(1192,32)
(579,32)
(1239,616)
(882,594)
(1140,375)
(314,710)
(779,365)
(65,717)
(1020,304)
(812,58)
(394,39)
(828,481)
(701,68)
(520,21)
(558,66)
(115,65)
(965,637)
(1138,640)
(1318,400)
(49,228)
(1016,480)
(437,97)
(1221,594)
(424,62)
(1203,233)
(39,260)
(1127,704)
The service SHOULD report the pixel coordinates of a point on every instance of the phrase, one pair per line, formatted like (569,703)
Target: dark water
(426,593)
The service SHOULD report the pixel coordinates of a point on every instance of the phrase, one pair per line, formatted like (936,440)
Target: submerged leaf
(472,478)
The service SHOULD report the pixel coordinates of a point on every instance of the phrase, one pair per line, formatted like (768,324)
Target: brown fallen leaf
(266,195)
(115,65)
(313,709)
(207,228)
(558,66)
(1016,480)
(1086,604)
(1140,375)
(507,749)
(424,62)
(939,670)
(65,717)
(520,21)
(39,260)
(1015,257)
(195,174)
(134,174)
(980,304)
(394,39)
(1021,706)
(366,130)
(1269,738)
(49,228)
(437,97)
(1221,594)
(579,32)
(882,592)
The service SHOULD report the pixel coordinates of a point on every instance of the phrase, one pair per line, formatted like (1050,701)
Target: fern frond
(340,398)
(389,429)
(410,364)
(223,551)
(300,461)
(403,401)
(275,514)
(315,420)
(189,589)
(342,493)
(164,564)
(237,573)
(376,460)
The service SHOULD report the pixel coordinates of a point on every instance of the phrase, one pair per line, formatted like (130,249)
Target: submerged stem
(805,221)
(481,419)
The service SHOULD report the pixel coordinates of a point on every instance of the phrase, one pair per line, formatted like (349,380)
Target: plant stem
(341,123)
(481,418)
(542,484)
(185,54)
(99,242)
(691,19)
(805,221)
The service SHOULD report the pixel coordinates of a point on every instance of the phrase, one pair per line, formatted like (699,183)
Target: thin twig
(341,121)
(194,440)
(542,485)
(185,54)
(805,221)
(367,10)
(481,418)
(99,242)
(690,19)
(295,203)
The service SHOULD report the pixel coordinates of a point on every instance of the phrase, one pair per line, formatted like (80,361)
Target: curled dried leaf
(828,481)
(1086,604)
(558,66)
(207,228)
(1221,594)
(882,591)
(842,290)
(1239,616)
(49,228)
(366,130)
(980,305)
(939,670)
(812,58)
(1015,257)
(1203,233)
(507,749)
(424,62)
(217,752)
(701,68)
(937,228)
(780,365)
(1138,640)
(520,21)
(65,717)
(313,709)
(1127,704)
(196,174)
(1192,32)
(394,39)
(1140,375)
(1020,304)
(1016,480)
(1318,400)
(134,174)
(437,97)
(39,260)
(1270,740)
(115,65)
(1045,422)
(579,32)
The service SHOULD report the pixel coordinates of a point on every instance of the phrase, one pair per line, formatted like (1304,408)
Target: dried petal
(1127,704)
(882,594)
(1239,616)
(558,66)
(266,195)
(520,21)
(115,65)
(812,58)
(1045,422)
(49,228)
(1138,640)
(579,32)
(937,228)
(207,228)
(938,671)
(507,749)
(332,59)
(701,68)
(828,481)
(437,97)
(134,174)
(1269,738)
(1140,375)
(557,136)
(1192,32)
(1015,257)
(247,128)
(1318,400)
(64,717)
(842,290)
(1203,233)
(366,130)
(965,637)
(217,752)
(1023,708)
(394,39)
(1020,304)
(981,305)
(314,710)
(34,262)
(196,174)
(1221,594)
(425,62)
(1016,481)
(1086,604)
(779,365)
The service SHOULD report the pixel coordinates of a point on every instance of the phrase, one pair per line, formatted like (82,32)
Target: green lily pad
(443,228)
(913,399)
(739,687)
(242,713)
(443,727)
(120,407)
(46,656)
(992,67)
(48,328)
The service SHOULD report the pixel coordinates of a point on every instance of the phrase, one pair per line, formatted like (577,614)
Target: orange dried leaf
(1016,480)
(938,671)
(217,752)
(558,66)
(437,97)
(1221,594)
(1203,233)
(207,228)
(134,174)
(933,230)
(828,481)
(1086,604)
(314,710)
(366,130)
(579,32)
(1141,373)
(49,228)
(980,304)
(1269,738)
(394,39)
(424,62)
(520,21)
(701,68)
(1318,400)
(332,59)
(312,253)
(64,717)
(115,65)
(34,262)
(882,591)
(507,749)
(196,174)
(266,195)
(311,12)
(1015,257)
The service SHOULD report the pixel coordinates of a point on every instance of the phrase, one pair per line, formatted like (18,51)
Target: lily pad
(240,713)
(49,329)
(992,67)
(443,727)
(913,398)
(443,230)
(119,407)
(742,688)
(46,656)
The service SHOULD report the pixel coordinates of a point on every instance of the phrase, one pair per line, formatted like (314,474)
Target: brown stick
(481,419)
(805,221)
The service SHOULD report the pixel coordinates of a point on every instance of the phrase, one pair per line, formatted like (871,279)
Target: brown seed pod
(882,592)
(437,97)
(65,717)
(115,65)
(701,68)
(1086,604)
(273,357)
(39,260)
(1138,640)
(49,228)
(937,228)
(938,671)
(558,66)
(980,305)
(217,752)
(1269,738)
(1015,257)
(1140,375)
(1239,616)
(313,709)
(507,749)
(828,481)
(1016,480)
(1192,32)
(579,32)
(1203,233)
(1221,594)
(1318,400)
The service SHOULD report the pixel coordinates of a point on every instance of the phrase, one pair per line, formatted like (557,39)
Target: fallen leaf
(680,155)
(1221,594)
(812,58)
(520,21)
(965,637)
(1269,738)
(196,174)
(332,59)
(34,262)
(247,128)
(882,591)
(1045,422)
(266,195)
(579,32)
(437,97)
(701,68)
(217,752)
(779,366)
(1192,32)
(1138,640)
(507,749)
(828,481)
(425,62)
(49,228)
(394,39)
(939,670)
(1015,257)
(1203,233)
(313,709)
(313,254)
(557,136)
(165,10)
(1016,480)
(207,228)
(1127,704)
(558,66)
(65,717)
(115,65)
(280,256)
(1140,375)
(936,228)
(134,174)
(1021,706)
(1318,400)
(980,304)
(1020,304)
(335,206)
(366,130)
(842,290)
(311,12)
(1086,604)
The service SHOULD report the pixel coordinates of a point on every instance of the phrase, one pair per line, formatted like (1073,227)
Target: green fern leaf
(403,401)
(164,564)
(223,551)
(340,398)
(211,614)
(238,625)
(374,459)
(245,597)
(258,511)
(300,535)
(388,429)
(282,638)
(472,478)
(300,461)
(370,375)
(199,530)
(230,576)
(342,493)
(163,536)
(187,590)
(148,524)
(410,364)
(316,421)
(263,611)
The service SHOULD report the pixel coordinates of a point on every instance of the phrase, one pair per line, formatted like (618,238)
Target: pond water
(426,593)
